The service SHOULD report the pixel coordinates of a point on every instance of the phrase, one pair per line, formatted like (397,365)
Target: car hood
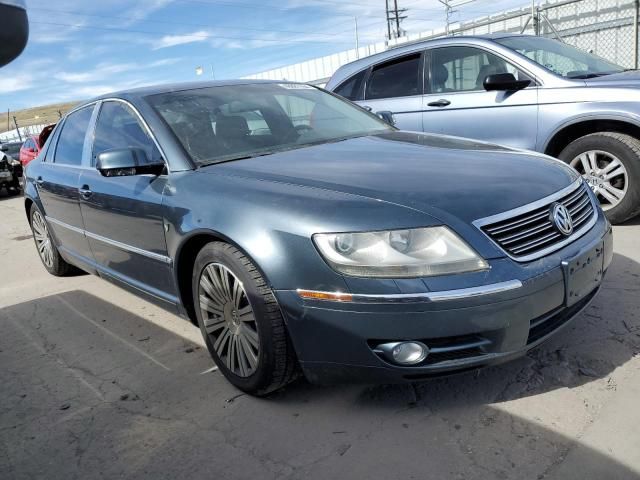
(623,79)
(441,176)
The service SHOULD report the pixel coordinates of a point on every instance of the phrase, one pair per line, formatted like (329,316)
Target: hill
(33,116)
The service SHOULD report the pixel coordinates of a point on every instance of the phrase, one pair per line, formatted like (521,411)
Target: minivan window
(350,88)
(119,127)
(224,123)
(71,139)
(460,69)
(398,78)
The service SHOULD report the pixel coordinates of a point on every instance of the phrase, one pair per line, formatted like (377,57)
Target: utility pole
(395,15)
(449,9)
(15,121)
(355,24)
(386,12)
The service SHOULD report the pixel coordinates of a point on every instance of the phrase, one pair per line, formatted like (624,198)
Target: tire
(52,260)
(619,194)
(241,326)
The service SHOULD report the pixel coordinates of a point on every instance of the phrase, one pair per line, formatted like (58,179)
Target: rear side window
(398,78)
(71,139)
(119,127)
(350,88)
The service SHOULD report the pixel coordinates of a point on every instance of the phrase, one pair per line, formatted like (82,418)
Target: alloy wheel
(43,239)
(229,320)
(605,174)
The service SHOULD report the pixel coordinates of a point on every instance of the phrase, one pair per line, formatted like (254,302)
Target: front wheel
(610,163)
(240,321)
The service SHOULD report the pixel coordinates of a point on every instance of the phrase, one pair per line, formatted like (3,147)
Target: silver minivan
(525,91)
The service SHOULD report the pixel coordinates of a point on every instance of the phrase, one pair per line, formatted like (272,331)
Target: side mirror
(31,150)
(4,148)
(14,31)
(387,117)
(122,162)
(504,82)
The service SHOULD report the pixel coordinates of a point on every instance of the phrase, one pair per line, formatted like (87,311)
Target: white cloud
(173,40)
(15,83)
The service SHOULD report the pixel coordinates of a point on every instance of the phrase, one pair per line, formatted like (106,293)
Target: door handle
(39,181)
(367,108)
(85,192)
(439,103)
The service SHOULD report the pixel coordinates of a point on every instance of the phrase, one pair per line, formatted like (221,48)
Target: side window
(350,88)
(28,144)
(398,78)
(119,127)
(463,69)
(71,138)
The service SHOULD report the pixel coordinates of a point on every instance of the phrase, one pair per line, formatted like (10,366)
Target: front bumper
(474,326)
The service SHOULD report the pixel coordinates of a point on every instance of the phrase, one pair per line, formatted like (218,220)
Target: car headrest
(440,75)
(233,126)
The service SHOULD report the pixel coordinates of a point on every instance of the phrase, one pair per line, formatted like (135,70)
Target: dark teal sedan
(305,235)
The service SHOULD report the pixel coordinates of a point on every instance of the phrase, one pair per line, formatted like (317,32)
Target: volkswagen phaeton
(302,234)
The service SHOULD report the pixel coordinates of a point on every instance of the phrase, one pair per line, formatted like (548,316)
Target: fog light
(404,353)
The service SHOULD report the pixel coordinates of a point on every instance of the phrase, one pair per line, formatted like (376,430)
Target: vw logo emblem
(561,218)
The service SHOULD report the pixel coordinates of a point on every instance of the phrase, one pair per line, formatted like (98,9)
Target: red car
(29,150)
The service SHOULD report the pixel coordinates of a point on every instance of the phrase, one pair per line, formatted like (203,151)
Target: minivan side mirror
(504,82)
(122,162)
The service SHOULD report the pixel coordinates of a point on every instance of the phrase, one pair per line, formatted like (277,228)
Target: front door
(123,214)
(396,86)
(58,186)
(456,102)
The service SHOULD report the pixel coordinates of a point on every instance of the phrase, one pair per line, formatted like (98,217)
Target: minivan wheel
(47,249)
(610,164)
(240,321)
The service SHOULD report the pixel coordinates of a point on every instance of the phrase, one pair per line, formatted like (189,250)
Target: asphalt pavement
(98,384)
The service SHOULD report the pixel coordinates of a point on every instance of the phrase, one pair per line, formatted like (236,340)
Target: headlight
(417,252)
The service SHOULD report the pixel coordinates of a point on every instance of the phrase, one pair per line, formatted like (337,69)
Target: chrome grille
(529,235)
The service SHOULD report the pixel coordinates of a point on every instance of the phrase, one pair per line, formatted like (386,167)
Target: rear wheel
(240,321)
(610,163)
(47,250)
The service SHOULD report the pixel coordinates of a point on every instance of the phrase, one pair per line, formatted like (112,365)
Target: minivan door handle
(85,192)
(439,103)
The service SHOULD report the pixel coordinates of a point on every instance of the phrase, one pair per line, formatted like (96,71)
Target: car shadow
(101,389)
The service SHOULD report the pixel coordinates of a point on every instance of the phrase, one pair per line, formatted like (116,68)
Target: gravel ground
(99,384)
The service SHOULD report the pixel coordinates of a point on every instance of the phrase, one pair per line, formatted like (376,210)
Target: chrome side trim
(441,296)
(115,243)
(64,225)
(532,206)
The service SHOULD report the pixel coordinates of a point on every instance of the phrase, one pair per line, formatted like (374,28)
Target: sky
(82,48)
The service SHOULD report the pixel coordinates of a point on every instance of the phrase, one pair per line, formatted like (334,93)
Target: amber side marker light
(332,296)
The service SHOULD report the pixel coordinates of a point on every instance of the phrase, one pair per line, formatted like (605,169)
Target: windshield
(560,58)
(217,124)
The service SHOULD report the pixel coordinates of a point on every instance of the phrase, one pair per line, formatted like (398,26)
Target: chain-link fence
(604,27)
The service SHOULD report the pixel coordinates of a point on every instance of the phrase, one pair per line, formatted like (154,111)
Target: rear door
(123,215)
(456,102)
(58,182)
(396,86)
